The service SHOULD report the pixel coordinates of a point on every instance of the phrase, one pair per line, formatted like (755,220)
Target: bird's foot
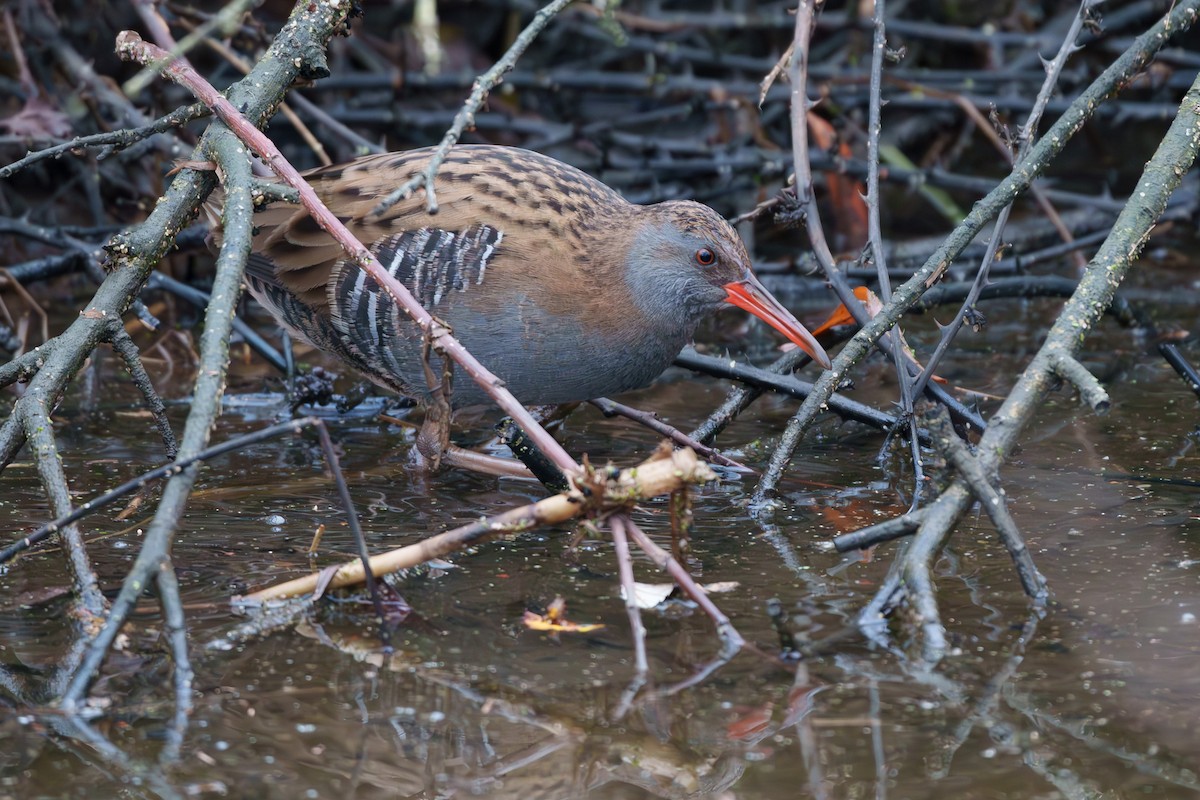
(433,451)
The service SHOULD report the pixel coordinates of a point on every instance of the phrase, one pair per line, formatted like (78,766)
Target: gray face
(677,277)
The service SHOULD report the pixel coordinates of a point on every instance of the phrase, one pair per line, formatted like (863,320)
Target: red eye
(705,257)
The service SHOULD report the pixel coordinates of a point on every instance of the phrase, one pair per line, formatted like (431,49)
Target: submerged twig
(134,256)
(629,587)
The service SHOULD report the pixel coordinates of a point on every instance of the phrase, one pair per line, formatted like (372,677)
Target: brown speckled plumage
(552,279)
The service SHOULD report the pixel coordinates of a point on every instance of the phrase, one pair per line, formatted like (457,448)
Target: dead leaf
(38,120)
(845,193)
(556,621)
(841,315)
(198,166)
(650,595)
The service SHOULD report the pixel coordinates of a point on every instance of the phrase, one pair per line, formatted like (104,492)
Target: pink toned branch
(131,47)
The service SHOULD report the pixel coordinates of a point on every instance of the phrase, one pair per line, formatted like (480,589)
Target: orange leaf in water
(556,620)
(536,622)
(841,316)
(751,725)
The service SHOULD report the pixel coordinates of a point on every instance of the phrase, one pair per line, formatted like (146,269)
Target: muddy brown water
(1097,696)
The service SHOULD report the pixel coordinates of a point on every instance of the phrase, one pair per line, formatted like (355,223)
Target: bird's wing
(436,265)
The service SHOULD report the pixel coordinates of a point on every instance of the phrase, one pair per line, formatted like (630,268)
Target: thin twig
(611,408)
(607,492)
(629,586)
(123,344)
(875,240)
(118,139)
(226,21)
(135,254)
(465,118)
(665,561)
(911,573)
(993,502)
(154,558)
(143,480)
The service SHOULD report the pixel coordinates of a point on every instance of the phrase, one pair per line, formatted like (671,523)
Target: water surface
(1095,696)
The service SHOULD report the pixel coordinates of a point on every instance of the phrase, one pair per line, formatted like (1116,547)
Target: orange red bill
(750,295)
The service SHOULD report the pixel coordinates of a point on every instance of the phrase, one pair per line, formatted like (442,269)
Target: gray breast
(544,359)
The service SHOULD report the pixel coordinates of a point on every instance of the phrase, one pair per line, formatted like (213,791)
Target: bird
(559,285)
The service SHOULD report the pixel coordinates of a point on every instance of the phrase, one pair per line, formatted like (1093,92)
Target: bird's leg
(433,439)
(434,450)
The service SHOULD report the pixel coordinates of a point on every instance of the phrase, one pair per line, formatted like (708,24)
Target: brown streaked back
(549,213)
